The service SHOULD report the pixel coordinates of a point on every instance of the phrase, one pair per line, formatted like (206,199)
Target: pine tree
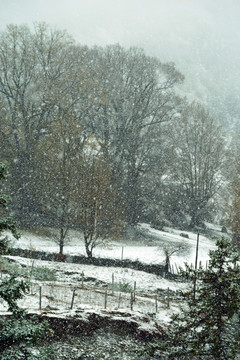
(6,222)
(207,326)
(17,332)
(234,213)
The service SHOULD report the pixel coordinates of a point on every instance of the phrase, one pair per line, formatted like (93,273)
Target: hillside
(89,301)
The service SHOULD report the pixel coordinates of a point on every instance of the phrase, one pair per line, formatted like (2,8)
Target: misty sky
(201,36)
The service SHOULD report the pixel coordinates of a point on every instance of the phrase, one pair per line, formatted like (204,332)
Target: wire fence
(54,296)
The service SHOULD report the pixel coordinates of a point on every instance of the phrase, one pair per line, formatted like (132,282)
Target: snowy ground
(148,248)
(90,282)
(91,294)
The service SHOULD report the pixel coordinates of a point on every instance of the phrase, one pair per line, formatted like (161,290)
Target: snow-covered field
(90,296)
(106,291)
(147,249)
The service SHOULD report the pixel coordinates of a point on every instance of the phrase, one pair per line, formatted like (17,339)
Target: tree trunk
(61,242)
(89,252)
(132,194)
(64,227)
(87,247)
(167,262)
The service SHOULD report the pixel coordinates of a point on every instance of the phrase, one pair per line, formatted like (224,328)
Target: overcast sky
(201,36)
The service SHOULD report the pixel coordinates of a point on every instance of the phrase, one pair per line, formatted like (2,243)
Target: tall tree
(59,164)
(135,95)
(196,157)
(39,71)
(74,186)
(98,214)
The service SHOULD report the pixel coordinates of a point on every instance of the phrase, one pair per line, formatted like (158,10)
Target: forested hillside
(98,138)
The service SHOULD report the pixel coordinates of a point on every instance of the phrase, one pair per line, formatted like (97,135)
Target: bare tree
(169,250)
(197,154)
(135,95)
(59,164)
(98,214)
(39,71)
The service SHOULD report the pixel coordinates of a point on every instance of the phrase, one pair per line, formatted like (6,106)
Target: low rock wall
(157,269)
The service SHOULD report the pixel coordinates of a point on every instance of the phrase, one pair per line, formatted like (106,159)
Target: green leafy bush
(122,286)
(12,267)
(44,274)
(37,273)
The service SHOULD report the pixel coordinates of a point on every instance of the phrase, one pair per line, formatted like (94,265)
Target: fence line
(52,296)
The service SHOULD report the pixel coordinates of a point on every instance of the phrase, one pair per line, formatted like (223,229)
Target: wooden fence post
(105,299)
(31,271)
(168,298)
(119,300)
(40,298)
(196,261)
(82,278)
(131,301)
(122,253)
(73,295)
(134,291)
(112,283)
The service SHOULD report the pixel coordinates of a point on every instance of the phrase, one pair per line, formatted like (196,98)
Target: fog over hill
(201,36)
